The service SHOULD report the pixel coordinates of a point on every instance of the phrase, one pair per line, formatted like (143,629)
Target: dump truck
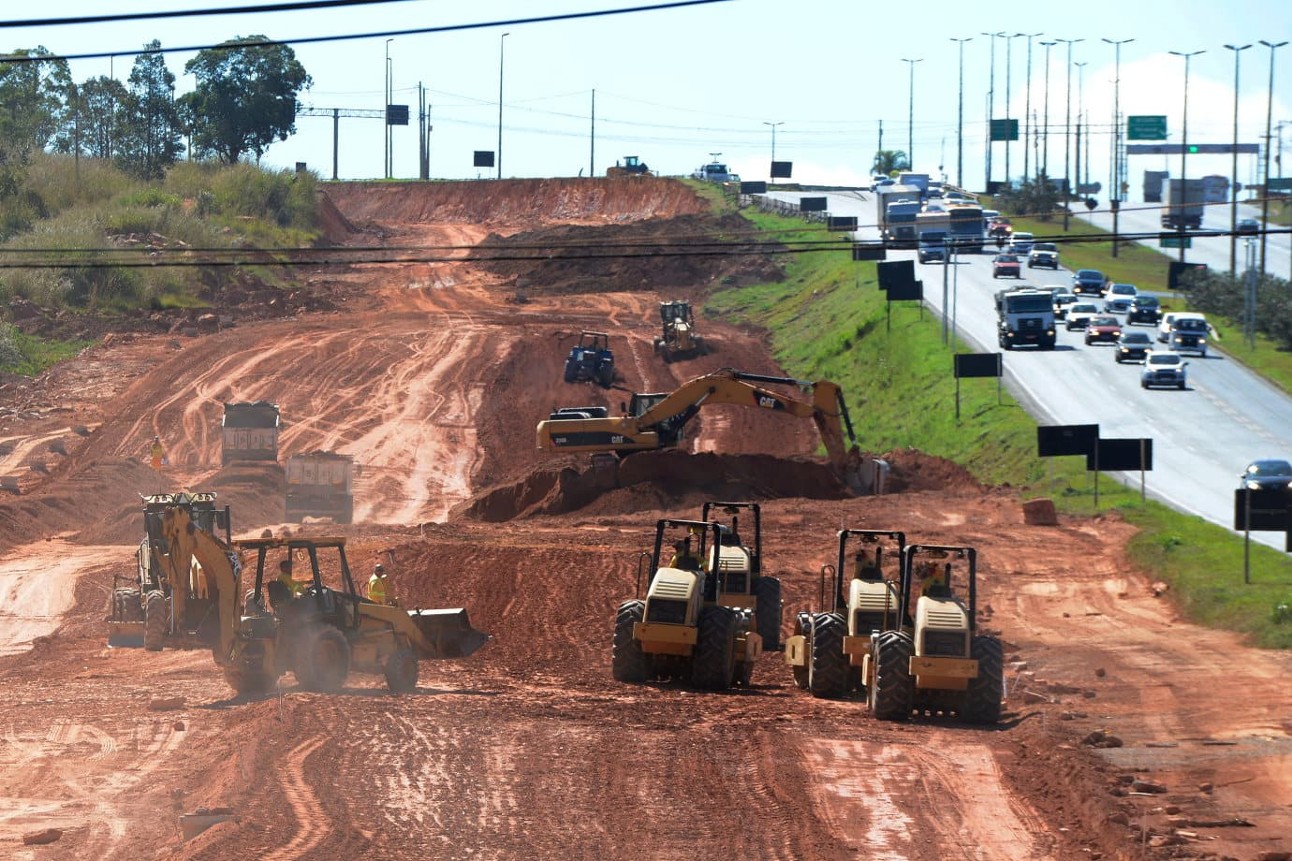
(591,359)
(1025,315)
(937,661)
(896,208)
(678,338)
(741,581)
(657,420)
(166,600)
(321,633)
(681,631)
(858,598)
(320,484)
(249,431)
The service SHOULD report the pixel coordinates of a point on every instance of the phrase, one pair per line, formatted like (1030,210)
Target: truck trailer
(1184,203)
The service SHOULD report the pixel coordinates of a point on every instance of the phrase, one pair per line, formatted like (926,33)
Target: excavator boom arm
(219,563)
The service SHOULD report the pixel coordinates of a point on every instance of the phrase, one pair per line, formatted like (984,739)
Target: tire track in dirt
(311,827)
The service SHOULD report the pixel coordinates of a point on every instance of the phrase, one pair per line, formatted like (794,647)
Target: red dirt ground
(433,378)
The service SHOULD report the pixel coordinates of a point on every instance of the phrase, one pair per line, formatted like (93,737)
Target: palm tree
(890,161)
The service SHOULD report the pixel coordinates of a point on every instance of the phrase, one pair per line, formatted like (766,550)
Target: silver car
(1163,368)
(1119,297)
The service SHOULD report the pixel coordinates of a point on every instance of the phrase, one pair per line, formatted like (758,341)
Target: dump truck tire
(767,611)
(401,671)
(803,628)
(827,664)
(985,694)
(627,661)
(323,661)
(743,673)
(715,649)
(248,682)
(606,376)
(892,694)
(156,620)
(570,371)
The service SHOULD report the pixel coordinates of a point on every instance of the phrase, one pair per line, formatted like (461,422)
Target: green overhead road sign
(1004,130)
(1146,128)
(1167,240)
(1280,184)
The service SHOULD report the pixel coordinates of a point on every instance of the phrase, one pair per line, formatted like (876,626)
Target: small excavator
(656,420)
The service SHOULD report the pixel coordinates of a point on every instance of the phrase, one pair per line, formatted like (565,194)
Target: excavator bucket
(446,633)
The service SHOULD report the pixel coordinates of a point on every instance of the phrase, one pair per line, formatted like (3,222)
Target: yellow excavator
(656,420)
(322,629)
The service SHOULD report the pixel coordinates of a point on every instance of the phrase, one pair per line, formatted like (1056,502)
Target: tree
(245,98)
(32,108)
(152,141)
(889,161)
(96,114)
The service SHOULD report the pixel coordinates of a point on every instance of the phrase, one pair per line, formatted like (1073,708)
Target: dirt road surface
(1127,734)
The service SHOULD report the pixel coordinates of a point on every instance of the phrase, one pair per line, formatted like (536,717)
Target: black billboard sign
(1122,455)
(1262,510)
(812,204)
(978,365)
(1063,440)
(896,274)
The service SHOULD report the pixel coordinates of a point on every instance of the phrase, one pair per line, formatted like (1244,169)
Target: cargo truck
(320,484)
(1184,203)
(966,227)
(1025,315)
(932,227)
(249,431)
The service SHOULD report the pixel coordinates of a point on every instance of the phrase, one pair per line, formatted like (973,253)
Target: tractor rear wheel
(827,664)
(891,695)
(983,699)
(126,606)
(401,671)
(571,371)
(323,661)
(767,611)
(627,661)
(803,628)
(156,620)
(714,660)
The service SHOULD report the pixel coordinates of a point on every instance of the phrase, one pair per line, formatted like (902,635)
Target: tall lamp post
(1081,107)
(773,125)
(991,101)
(1115,193)
(385,109)
(1009,44)
(502,44)
(1233,172)
(1269,111)
(1067,136)
(910,113)
(1045,115)
(1027,108)
(960,115)
(1184,141)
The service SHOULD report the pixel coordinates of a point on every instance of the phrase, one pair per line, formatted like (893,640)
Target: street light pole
(1009,45)
(502,44)
(1184,145)
(385,110)
(910,113)
(991,102)
(1045,116)
(1115,193)
(1081,103)
(1233,172)
(1269,112)
(1027,109)
(1067,136)
(960,116)
(773,125)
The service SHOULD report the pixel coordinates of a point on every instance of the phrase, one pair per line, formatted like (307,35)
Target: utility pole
(960,117)
(1115,193)
(1269,112)
(1233,172)
(910,113)
(1027,109)
(991,102)
(1045,118)
(1184,143)
(1067,136)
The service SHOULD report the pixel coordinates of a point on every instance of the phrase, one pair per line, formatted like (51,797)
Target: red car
(1006,264)
(1105,329)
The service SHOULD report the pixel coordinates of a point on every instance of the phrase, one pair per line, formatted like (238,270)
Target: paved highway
(1202,437)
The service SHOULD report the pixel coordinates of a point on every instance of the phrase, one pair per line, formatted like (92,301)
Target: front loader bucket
(446,633)
(125,635)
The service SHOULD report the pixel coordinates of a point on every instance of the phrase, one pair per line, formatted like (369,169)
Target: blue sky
(674,86)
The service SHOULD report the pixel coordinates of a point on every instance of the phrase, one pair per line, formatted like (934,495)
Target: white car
(1119,297)
(1021,243)
(1163,368)
(1080,314)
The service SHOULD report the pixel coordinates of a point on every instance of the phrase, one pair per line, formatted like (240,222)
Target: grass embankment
(1088,247)
(828,319)
(70,219)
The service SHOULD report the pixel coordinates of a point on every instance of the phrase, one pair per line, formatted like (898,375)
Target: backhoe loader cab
(323,630)
(163,600)
(677,337)
(680,630)
(741,582)
(591,359)
(859,597)
(937,661)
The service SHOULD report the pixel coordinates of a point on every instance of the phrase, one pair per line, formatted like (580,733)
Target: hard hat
(156,439)
(379,569)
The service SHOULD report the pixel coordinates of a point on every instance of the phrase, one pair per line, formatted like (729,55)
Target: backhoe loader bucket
(446,633)
(125,635)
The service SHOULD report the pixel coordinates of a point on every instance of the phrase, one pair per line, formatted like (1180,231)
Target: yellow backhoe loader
(319,627)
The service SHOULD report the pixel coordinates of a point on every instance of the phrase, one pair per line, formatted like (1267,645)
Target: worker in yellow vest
(379,591)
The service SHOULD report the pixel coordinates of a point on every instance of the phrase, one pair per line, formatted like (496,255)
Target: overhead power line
(384,34)
(302,5)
